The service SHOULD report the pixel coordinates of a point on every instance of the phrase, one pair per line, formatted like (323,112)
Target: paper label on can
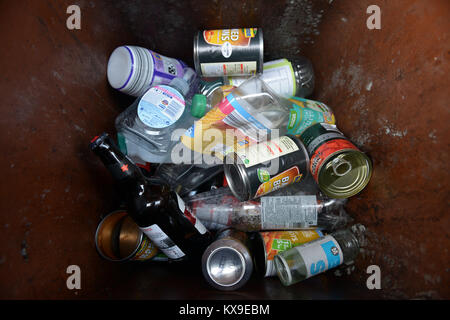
(219,69)
(146,251)
(325,151)
(191,217)
(281,180)
(288,212)
(321,255)
(160,107)
(277,74)
(165,68)
(277,241)
(305,113)
(235,37)
(266,151)
(163,242)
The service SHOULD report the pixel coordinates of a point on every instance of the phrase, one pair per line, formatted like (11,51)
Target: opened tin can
(228,52)
(118,238)
(227,263)
(267,244)
(265,167)
(340,169)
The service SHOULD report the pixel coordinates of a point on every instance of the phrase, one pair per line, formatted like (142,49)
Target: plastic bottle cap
(198,107)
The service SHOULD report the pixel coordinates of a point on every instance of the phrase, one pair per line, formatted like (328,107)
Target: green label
(122,143)
(281,244)
(307,113)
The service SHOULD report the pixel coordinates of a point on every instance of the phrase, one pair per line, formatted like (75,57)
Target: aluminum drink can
(118,238)
(265,167)
(227,263)
(227,52)
(340,169)
(267,244)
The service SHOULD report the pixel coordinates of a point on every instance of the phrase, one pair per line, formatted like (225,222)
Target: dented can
(118,238)
(265,167)
(228,52)
(340,169)
(267,244)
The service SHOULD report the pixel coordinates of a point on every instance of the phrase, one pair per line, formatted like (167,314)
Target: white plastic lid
(120,67)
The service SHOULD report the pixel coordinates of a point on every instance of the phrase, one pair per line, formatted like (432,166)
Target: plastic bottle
(220,208)
(161,214)
(146,128)
(287,78)
(317,256)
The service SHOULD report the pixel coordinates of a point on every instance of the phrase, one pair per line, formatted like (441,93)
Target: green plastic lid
(198,107)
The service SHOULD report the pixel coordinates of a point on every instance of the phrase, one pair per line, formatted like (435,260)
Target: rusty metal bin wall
(388,88)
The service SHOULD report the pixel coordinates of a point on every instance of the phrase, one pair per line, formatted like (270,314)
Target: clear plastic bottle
(317,256)
(146,128)
(257,110)
(203,102)
(220,208)
(287,78)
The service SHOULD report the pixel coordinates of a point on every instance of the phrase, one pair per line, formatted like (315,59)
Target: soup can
(228,52)
(118,238)
(340,169)
(267,244)
(265,167)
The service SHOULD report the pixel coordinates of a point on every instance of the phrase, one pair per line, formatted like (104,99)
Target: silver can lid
(227,264)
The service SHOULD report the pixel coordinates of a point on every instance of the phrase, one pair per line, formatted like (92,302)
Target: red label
(324,151)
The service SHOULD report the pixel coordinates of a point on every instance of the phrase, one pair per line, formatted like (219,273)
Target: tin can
(227,263)
(228,52)
(265,167)
(118,238)
(267,244)
(340,169)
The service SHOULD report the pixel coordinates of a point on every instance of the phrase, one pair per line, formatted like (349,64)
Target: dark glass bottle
(160,213)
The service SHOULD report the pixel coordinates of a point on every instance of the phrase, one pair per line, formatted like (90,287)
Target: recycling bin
(382,66)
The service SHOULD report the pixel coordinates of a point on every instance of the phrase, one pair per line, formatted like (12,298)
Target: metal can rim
(196,57)
(241,172)
(359,186)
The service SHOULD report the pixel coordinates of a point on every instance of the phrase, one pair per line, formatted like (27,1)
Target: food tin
(118,238)
(228,52)
(340,169)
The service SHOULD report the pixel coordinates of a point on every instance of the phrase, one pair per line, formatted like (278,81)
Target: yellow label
(236,37)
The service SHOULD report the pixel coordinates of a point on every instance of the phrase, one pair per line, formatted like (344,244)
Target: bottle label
(288,212)
(305,113)
(160,107)
(266,151)
(321,255)
(277,241)
(191,217)
(163,242)
(214,69)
